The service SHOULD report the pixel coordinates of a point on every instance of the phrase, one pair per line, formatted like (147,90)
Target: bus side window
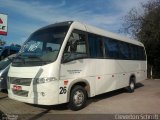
(141,53)
(76,47)
(111,48)
(95,46)
(123,50)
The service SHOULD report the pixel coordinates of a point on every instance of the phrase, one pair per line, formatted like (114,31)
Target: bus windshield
(42,47)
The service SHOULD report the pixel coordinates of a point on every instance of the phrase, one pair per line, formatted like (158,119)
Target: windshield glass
(42,47)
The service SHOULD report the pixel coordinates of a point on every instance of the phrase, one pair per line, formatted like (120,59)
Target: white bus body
(97,69)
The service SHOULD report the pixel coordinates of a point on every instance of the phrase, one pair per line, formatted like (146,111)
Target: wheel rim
(78,98)
(132,85)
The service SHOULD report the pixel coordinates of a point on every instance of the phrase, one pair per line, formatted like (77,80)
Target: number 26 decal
(62,90)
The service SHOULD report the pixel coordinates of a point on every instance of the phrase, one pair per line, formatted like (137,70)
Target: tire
(131,86)
(78,98)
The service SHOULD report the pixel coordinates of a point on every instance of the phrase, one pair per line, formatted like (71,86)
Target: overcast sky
(25,16)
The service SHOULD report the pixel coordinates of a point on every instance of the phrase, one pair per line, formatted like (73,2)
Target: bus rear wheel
(78,98)
(131,86)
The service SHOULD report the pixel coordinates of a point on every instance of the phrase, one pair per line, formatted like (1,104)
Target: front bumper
(43,94)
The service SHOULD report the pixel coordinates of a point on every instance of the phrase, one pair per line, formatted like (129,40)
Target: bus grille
(20,81)
(22,93)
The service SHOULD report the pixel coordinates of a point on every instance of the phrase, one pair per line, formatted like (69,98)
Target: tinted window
(124,50)
(95,46)
(137,52)
(111,48)
(114,49)
(133,52)
(141,53)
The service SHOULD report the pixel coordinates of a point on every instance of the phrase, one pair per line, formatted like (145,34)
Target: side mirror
(67,56)
(73,47)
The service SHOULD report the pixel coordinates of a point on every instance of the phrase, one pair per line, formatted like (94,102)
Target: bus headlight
(44,80)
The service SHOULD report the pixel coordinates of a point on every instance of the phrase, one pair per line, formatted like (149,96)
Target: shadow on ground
(111,94)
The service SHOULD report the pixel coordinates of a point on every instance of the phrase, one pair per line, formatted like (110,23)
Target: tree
(144,24)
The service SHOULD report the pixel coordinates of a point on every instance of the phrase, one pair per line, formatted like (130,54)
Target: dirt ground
(145,100)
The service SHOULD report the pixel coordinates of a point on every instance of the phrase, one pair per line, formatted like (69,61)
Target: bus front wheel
(78,98)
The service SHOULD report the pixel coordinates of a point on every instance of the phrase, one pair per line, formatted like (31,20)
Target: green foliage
(144,24)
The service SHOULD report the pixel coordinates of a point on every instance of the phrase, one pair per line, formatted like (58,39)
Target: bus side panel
(114,74)
(106,76)
(133,67)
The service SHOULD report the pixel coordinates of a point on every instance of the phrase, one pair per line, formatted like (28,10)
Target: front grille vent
(22,93)
(20,81)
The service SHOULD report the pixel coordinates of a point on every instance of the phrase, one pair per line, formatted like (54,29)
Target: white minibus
(70,61)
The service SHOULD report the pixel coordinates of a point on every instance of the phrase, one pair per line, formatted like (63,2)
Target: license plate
(16,87)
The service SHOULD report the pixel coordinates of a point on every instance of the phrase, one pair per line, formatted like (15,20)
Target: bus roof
(98,31)
(66,23)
